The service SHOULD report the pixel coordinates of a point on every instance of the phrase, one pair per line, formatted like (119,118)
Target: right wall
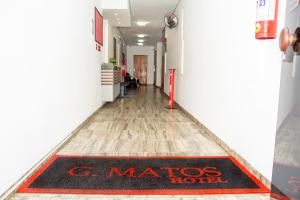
(226,78)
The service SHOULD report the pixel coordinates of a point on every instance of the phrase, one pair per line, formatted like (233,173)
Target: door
(140,68)
(163,64)
(286,167)
(163,73)
(115,48)
(155,66)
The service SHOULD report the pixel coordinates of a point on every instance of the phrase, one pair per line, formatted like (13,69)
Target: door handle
(289,39)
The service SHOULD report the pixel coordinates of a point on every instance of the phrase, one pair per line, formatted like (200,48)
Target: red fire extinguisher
(266,19)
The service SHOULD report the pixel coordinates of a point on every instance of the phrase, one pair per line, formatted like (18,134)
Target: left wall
(49,78)
(113,32)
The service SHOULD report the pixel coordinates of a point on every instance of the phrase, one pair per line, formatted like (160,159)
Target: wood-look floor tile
(140,125)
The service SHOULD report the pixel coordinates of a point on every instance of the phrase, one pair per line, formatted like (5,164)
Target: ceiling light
(116,14)
(141,35)
(142,23)
(118,19)
(141,40)
(140,44)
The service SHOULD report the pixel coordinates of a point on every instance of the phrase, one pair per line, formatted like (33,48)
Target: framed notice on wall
(98,27)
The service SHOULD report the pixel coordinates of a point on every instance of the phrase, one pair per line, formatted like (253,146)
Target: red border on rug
(279,197)
(25,187)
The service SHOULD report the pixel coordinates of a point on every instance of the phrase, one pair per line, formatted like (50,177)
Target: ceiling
(117,12)
(118,17)
(152,11)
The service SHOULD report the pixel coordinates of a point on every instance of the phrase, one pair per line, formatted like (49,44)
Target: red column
(171,95)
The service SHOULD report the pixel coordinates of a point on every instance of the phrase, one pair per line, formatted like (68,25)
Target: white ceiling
(112,15)
(152,11)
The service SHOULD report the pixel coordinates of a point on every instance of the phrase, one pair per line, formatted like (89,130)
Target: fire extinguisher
(266,19)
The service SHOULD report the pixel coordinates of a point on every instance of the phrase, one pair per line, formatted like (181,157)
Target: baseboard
(226,147)
(11,191)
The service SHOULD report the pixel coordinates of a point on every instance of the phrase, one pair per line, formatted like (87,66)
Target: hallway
(140,125)
(229,69)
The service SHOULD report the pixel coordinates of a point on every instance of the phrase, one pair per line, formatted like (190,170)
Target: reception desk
(110,84)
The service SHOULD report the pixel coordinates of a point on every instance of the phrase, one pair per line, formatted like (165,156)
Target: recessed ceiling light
(140,44)
(141,40)
(116,14)
(141,35)
(142,23)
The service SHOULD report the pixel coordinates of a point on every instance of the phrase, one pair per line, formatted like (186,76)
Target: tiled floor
(81,197)
(140,125)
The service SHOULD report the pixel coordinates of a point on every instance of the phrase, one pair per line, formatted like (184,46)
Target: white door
(286,168)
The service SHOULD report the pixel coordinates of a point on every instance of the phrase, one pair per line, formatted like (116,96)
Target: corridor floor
(140,125)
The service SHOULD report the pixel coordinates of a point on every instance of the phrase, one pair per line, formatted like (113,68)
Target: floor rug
(164,175)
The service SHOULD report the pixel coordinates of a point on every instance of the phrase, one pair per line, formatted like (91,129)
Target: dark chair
(132,81)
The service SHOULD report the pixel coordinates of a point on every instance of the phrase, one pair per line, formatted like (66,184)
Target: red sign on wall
(98,27)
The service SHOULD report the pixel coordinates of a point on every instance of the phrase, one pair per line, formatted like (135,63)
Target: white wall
(141,50)
(49,78)
(230,80)
(159,63)
(106,39)
(113,32)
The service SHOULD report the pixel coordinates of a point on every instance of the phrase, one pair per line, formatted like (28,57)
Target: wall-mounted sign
(98,27)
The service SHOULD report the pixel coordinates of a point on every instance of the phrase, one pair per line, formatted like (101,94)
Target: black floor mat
(143,175)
